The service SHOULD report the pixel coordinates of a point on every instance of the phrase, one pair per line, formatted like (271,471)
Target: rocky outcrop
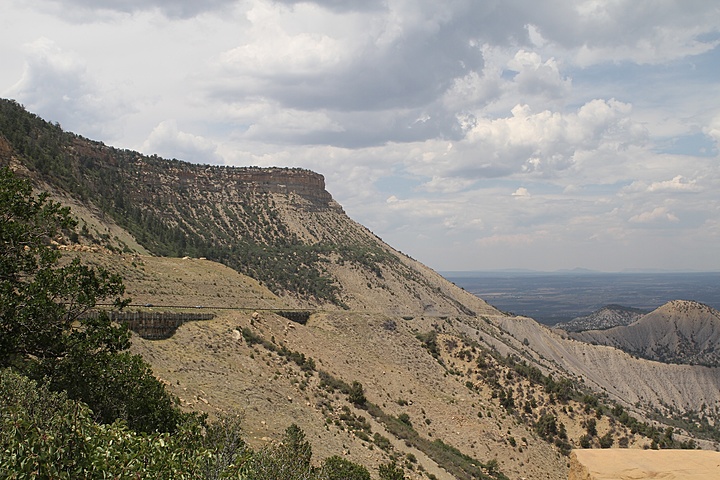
(252,180)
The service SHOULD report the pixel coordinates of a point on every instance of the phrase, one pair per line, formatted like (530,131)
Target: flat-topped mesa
(305,183)
(209,178)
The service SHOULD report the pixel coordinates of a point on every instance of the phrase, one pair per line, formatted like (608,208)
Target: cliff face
(213,180)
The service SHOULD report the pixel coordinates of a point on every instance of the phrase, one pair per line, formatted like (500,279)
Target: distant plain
(556,297)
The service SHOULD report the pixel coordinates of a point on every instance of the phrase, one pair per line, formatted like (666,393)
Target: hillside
(452,384)
(677,332)
(279,226)
(607,317)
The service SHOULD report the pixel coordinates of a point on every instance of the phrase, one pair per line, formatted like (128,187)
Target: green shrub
(391,471)
(338,468)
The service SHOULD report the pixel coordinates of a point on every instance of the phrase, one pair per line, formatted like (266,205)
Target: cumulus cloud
(539,143)
(291,126)
(521,192)
(627,30)
(678,184)
(168,141)
(342,5)
(524,239)
(278,53)
(57,84)
(345,62)
(537,77)
(446,185)
(658,214)
(713,130)
(450,215)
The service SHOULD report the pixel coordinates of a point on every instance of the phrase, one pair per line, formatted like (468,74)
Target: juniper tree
(44,332)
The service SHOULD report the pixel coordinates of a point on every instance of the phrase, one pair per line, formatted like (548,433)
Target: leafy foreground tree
(46,435)
(44,330)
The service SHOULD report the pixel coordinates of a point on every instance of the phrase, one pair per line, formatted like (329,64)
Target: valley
(552,297)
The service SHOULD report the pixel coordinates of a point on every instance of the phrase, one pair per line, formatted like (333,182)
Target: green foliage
(391,471)
(44,331)
(382,442)
(337,468)
(591,427)
(405,418)
(307,364)
(224,450)
(44,434)
(39,300)
(356,395)
(118,386)
(355,423)
(506,399)
(247,234)
(606,441)
(546,426)
(429,341)
(458,464)
(297,447)
(332,383)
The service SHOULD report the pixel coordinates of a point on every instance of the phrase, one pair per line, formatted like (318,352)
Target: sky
(470,135)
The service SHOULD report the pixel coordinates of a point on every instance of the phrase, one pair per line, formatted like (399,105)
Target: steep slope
(607,317)
(677,332)
(213,368)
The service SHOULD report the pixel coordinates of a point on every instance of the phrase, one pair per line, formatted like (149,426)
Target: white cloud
(545,143)
(57,84)
(522,239)
(273,48)
(678,184)
(627,30)
(713,130)
(537,77)
(168,141)
(446,185)
(521,192)
(290,125)
(656,215)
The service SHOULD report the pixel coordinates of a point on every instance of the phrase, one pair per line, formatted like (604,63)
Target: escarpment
(225,182)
